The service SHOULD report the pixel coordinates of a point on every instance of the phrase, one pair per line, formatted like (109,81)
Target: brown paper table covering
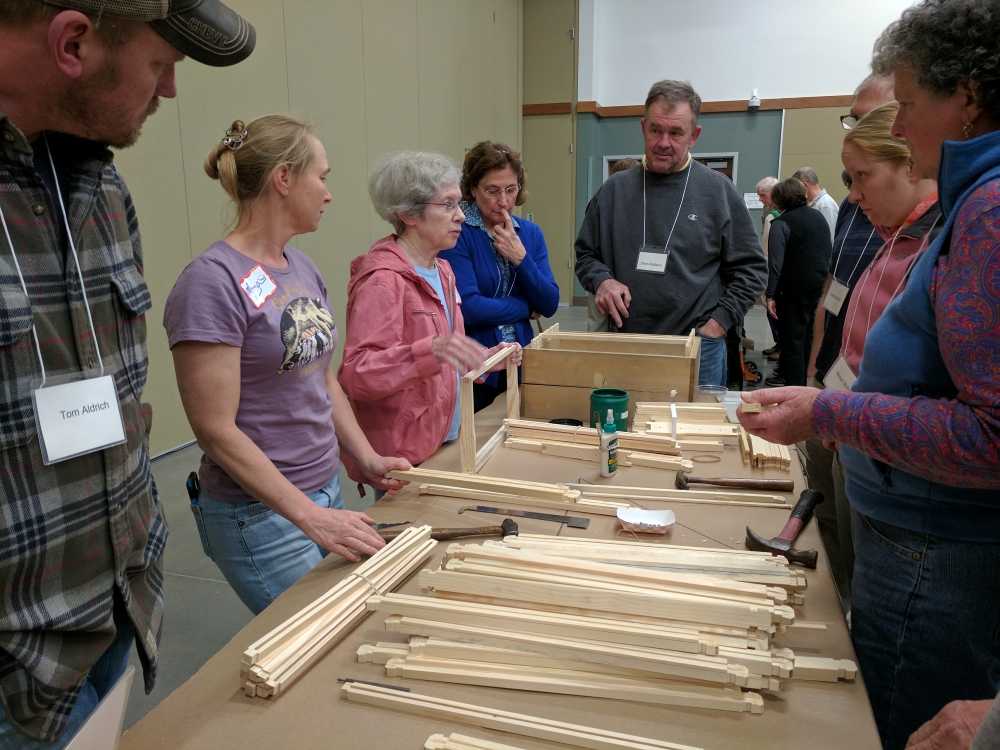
(211,711)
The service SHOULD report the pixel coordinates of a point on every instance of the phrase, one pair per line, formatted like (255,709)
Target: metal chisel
(571,521)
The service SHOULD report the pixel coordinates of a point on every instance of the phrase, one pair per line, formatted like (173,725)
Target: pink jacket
(403,398)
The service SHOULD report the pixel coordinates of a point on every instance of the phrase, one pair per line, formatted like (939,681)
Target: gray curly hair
(947,43)
(403,182)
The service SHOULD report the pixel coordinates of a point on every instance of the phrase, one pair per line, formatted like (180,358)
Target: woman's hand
(506,241)
(376,467)
(502,365)
(458,351)
(789,421)
(343,532)
(772,308)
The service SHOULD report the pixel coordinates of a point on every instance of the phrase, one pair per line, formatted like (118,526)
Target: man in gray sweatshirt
(671,246)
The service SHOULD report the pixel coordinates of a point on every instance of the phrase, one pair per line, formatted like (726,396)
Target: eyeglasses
(449,206)
(510,191)
(848,121)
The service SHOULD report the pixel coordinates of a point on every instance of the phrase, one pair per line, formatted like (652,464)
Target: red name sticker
(258,286)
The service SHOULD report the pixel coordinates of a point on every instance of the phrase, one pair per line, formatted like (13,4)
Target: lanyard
(681,205)
(844,242)
(909,269)
(76,260)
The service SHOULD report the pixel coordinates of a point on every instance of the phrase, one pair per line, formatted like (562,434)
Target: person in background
(855,244)
(919,433)
(798,255)
(818,197)
(81,541)
(252,334)
(767,214)
(595,320)
(406,345)
(500,262)
(671,246)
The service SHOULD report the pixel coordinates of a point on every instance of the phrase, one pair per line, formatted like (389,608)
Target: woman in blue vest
(501,263)
(919,433)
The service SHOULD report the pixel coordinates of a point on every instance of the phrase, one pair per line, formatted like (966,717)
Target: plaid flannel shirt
(72,532)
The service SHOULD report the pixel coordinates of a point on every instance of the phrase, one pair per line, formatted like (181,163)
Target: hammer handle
(808,500)
(776,485)
(442,535)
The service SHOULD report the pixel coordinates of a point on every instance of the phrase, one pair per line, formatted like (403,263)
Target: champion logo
(693,217)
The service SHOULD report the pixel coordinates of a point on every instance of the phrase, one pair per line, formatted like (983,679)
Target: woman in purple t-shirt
(252,335)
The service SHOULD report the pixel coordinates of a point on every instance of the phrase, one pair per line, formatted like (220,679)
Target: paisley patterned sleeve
(950,442)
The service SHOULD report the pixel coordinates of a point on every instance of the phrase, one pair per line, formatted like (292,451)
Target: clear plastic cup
(710,394)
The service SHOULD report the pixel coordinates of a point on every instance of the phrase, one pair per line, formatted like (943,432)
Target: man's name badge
(652,260)
(77,418)
(841,377)
(835,297)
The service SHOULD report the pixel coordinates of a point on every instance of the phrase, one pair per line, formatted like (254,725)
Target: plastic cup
(710,394)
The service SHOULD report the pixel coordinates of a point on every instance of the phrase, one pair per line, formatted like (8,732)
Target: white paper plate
(646,521)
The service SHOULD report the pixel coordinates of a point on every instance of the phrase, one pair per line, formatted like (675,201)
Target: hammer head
(509,527)
(783,547)
(682,481)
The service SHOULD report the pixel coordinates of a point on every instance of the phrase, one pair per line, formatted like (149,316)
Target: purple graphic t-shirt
(280,318)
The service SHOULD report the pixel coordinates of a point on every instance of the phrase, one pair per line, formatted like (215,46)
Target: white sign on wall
(752,200)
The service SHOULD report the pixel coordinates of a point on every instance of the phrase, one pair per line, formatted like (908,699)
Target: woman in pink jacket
(406,345)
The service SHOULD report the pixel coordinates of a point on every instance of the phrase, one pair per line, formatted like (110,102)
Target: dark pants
(796,310)
(483,395)
(773,325)
(925,616)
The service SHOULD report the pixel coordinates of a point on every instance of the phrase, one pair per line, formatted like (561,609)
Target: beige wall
(550,77)
(813,138)
(373,75)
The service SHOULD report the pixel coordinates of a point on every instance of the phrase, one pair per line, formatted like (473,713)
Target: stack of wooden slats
(627,621)
(498,491)
(763,454)
(657,451)
(700,427)
(575,735)
(272,663)
(651,495)
(461,742)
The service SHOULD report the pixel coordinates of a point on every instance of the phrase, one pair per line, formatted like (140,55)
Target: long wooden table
(211,711)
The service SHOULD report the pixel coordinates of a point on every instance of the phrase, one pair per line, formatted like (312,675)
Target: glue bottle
(609,446)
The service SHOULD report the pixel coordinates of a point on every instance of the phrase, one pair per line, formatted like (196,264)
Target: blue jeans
(714,363)
(925,617)
(259,552)
(102,677)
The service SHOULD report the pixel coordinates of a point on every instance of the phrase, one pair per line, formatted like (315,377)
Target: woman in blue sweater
(501,263)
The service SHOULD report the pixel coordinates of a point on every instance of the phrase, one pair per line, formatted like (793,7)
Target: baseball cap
(204,30)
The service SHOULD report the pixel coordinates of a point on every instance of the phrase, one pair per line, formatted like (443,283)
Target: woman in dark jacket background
(501,263)
(798,254)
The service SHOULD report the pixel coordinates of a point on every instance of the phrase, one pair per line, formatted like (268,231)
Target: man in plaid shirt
(81,541)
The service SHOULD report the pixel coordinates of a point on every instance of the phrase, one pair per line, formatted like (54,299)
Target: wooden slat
(550,108)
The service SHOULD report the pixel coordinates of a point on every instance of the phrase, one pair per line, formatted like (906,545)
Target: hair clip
(233,142)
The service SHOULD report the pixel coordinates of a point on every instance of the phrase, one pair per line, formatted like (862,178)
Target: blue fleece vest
(902,358)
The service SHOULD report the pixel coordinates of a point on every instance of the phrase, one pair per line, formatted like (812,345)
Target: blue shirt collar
(962,165)
(474,219)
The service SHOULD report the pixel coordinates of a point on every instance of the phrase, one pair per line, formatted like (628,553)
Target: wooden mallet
(771,485)
(506,529)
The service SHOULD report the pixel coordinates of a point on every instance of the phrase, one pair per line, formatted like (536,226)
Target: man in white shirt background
(818,197)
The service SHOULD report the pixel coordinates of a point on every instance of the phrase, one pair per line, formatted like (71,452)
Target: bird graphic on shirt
(306,331)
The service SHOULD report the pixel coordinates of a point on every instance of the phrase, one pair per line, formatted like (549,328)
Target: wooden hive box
(561,368)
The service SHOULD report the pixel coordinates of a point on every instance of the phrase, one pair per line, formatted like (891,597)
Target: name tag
(258,286)
(841,377)
(652,261)
(835,297)
(77,418)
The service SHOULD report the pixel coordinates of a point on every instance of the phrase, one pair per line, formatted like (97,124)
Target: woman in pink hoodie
(406,345)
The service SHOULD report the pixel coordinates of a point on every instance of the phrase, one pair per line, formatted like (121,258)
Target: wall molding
(739,105)
(552,108)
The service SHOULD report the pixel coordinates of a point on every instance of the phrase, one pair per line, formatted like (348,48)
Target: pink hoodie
(403,398)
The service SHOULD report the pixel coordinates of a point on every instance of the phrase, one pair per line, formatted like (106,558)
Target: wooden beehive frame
(472,459)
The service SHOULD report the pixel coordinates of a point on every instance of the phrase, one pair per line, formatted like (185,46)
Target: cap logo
(206,32)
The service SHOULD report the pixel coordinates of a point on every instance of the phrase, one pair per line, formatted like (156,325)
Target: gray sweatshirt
(716,267)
